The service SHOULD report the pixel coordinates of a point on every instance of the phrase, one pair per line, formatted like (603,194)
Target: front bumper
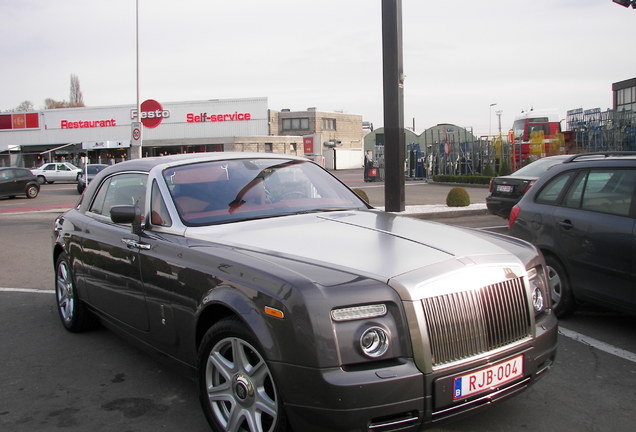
(398,396)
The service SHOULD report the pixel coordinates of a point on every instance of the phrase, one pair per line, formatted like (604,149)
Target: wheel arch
(227,302)
(57,251)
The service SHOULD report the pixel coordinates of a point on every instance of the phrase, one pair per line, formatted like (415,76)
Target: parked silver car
(56,171)
(299,306)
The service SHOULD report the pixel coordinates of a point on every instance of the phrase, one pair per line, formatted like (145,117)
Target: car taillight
(529,186)
(490,187)
(513,216)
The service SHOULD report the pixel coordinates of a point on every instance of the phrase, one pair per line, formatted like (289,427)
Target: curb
(448,214)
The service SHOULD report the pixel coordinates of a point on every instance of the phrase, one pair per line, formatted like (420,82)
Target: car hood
(368,243)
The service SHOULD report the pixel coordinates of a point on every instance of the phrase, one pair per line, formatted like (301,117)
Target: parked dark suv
(582,216)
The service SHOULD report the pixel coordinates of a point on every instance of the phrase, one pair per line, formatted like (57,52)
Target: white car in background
(56,171)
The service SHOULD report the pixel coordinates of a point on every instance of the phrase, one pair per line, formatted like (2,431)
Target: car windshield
(538,167)
(224,191)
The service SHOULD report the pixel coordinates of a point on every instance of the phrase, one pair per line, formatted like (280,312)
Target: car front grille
(464,324)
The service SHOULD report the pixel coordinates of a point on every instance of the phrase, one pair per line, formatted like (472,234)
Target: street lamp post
(136,126)
(490,120)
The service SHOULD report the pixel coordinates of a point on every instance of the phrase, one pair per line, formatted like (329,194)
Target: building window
(292,147)
(328,124)
(295,124)
(626,99)
(269,148)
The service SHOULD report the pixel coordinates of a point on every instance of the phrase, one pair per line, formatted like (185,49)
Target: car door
(112,272)
(596,234)
(63,173)
(20,179)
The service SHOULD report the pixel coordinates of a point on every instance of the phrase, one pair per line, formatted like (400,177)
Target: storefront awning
(58,148)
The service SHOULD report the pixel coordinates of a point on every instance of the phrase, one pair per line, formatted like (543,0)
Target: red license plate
(488,378)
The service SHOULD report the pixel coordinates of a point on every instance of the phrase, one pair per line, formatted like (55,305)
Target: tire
(32,191)
(563,301)
(237,390)
(73,312)
(41,179)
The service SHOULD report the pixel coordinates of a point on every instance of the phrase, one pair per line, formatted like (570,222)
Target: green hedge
(442,178)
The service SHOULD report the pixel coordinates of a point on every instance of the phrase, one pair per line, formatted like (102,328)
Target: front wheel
(563,301)
(72,311)
(41,179)
(237,389)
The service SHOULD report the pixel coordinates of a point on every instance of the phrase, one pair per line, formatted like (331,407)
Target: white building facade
(111,134)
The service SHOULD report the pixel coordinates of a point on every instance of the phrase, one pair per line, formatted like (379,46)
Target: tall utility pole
(393,105)
(136,126)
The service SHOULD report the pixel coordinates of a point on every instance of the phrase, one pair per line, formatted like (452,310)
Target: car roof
(601,156)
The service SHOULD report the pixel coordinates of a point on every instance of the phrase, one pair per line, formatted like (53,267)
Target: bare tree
(25,106)
(53,104)
(75,99)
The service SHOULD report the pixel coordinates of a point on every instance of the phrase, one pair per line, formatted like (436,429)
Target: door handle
(131,243)
(566,224)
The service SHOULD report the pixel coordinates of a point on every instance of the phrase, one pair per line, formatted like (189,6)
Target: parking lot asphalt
(423,198)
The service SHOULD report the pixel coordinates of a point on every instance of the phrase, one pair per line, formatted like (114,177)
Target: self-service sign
(152,113)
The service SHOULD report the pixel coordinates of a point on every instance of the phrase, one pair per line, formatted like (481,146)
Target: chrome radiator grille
(464,324)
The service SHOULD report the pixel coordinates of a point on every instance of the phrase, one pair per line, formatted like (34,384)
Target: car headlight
(358,312)
(364,332)
(374,342)
(538,285)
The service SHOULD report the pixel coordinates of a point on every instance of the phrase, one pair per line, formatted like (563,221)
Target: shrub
(464,179)
(504,169)
(457,197)
(489,171)
(362,194)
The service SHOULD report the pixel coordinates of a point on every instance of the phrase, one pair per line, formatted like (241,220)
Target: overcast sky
(459,56)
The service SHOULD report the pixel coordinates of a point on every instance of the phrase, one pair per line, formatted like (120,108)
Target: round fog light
(537,299)
(374,342)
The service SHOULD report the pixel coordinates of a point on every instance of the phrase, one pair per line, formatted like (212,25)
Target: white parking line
(27,290)
(599,345)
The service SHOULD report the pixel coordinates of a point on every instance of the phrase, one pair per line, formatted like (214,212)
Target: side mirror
(127,214)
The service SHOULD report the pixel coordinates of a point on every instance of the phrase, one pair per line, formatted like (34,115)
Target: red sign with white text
(151,113)
(19,121)
(308,144)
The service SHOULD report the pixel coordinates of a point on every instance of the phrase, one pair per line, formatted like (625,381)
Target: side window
(121,189)
(158,211)
(609,191)
(552,190)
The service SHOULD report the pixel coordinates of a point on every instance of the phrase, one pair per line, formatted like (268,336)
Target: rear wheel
(237,389)
(32,191)
(563,301)
(72,311)
(41,179)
